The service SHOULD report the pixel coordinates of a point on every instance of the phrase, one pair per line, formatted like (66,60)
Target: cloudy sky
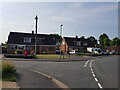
(78,18)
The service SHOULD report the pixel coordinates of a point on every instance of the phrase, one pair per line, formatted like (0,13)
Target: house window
(78,43)
(27,40)
(29,47)
(21,47)
(13,47)
(85,44)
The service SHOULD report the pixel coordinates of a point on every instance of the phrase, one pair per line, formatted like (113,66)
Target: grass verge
(50,57)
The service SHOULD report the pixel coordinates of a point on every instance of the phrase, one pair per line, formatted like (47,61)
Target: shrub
(19,52)
(117,53)
(8,71)
(43,52)
(8,67)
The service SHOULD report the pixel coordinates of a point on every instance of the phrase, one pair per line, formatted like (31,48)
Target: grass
(46,56)
(8,71)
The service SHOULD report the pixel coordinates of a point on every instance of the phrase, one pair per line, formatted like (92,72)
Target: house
(26,41)
(75,43)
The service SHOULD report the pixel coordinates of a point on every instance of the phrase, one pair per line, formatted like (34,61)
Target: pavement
(29,79)
(7,84)
(73,58)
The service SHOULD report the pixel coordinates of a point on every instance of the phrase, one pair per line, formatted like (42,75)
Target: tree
(107,42)
(57,37)
(82,37)
(92,39)
(102,37)
(115,42)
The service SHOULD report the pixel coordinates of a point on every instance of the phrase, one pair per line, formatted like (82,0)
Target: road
(77,74)
(106,70)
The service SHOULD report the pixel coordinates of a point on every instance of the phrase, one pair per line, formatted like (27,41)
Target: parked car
(58,51)
(74,52)
(112,52)
(94,50)
(104,53)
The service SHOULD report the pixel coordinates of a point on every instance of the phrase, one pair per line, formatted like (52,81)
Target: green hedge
(18,56)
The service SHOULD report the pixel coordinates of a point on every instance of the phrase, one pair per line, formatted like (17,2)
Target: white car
(112,52)
(74,52)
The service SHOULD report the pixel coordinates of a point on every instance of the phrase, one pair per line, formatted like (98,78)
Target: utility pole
(60,39)
(36,18)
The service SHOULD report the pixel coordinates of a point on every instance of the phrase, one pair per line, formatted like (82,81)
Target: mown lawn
(46,56)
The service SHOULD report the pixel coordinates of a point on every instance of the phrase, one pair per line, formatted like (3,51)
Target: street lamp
(36,18)
(60,39)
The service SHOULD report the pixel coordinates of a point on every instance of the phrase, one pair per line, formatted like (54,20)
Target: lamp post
(36,18)
(61,39)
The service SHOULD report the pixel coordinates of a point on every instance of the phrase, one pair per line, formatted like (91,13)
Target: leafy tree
(102,37)
(57,37)
(107,42)
(115,42)
(93,39)
(82,37)
(4,44)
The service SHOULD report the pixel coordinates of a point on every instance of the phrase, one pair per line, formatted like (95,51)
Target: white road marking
(90,65)
(96,79)
(86,63)
(92,72)
(93,75)
(99,85)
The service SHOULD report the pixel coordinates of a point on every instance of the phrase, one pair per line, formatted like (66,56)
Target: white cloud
(77,4)
(64,19)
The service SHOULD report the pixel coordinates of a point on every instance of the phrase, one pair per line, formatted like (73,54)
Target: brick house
(26,41)
(75,43)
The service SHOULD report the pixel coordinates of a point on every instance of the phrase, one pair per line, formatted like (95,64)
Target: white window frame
(19,47)
(78,43)
(85,44)
(13,47)
(27,40)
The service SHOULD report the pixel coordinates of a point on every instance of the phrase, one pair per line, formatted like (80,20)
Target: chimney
(76,36)
(32,32)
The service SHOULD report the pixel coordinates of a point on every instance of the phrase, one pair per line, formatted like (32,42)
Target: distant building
(26,41)
(75,43)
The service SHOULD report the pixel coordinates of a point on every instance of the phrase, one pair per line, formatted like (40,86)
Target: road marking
(93,74)
(96,79)
(86,63)
(99,85)
(90,65)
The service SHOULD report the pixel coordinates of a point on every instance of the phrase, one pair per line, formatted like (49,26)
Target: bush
(8,71)
(117,53)
(44,52)
(18,56)
(19,52)
(8,67)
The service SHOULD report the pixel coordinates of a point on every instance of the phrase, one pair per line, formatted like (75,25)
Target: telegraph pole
(60,39)
(36,19)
